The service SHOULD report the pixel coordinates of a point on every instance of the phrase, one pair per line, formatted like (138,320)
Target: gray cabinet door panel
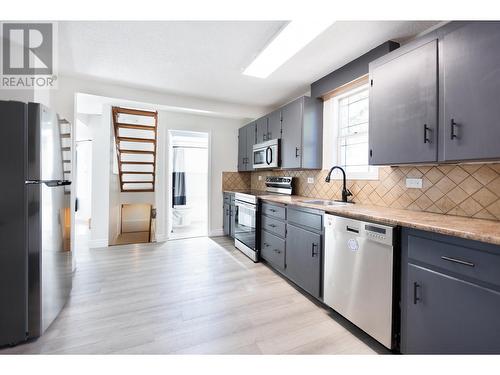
(303,259)
(470,58)
(251,140)
(278,212)
(291,134)
(232,217)
(403,108)
(226,220)
(273,249)
(274,124)
(274,226)
(261,125)
(242,148)
(449,315)
(306,219)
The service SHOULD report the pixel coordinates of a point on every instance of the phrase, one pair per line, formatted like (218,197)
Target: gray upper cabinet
(246,140)
(302,134)
(251,140)
(274,125)
(291,139)
(242,148)
(404,107)
(299,124)
(436,98)
(262,132)
(470,57)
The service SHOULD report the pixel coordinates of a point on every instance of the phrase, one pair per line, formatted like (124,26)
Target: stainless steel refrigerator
(35,269)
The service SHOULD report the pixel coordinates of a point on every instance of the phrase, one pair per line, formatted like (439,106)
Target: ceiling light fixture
(290,40)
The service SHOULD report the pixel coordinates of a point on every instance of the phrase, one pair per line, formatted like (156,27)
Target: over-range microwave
(267,154)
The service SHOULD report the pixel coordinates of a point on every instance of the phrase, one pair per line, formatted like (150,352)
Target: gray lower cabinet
(470,57)
(302,134)
(226,223)
(303,259)
(273,250)
(246,139)
(450,295)
(291,242)
(404,107)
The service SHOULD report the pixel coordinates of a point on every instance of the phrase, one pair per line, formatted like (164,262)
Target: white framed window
(346,134)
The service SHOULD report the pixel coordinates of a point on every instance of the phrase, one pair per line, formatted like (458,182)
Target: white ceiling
(206,58)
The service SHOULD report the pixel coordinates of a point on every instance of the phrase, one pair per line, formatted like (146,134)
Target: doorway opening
(189,173)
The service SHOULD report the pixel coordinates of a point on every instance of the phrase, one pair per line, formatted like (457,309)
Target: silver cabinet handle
(459,261)
(272,225)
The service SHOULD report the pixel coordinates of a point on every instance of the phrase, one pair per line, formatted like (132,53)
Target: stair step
(136,152)
(138,127)
(63,121)
(141,140)
(65,135)
(136,112)
(137,162)
(137,182)
(66,148)
(66,161)
(138,190)
(127,172)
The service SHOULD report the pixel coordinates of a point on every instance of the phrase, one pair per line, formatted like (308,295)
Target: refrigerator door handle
(49,183)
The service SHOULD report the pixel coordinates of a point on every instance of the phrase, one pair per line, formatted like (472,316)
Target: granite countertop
(474,229)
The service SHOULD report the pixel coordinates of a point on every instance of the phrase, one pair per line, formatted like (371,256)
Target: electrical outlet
(414,183)
(260,178)
(310,180)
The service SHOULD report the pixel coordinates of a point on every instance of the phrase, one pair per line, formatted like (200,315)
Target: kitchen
(348,198)
(408,257)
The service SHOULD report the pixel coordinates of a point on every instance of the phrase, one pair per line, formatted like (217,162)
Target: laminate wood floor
(199,296)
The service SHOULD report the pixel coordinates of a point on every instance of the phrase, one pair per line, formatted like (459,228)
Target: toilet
(181,216)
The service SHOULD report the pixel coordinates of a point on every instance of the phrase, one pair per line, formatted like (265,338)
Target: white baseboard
(98,243)
(216,232)
(161,237)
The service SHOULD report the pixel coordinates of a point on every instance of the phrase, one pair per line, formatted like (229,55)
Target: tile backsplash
(236,180)
(471,190)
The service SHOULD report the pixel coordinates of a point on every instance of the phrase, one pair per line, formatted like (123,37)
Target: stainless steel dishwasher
(358,274)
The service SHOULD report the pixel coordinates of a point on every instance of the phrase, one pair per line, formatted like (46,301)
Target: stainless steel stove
(246,220)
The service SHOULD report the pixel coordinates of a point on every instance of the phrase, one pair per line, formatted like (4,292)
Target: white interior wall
(114,190)
(223,156)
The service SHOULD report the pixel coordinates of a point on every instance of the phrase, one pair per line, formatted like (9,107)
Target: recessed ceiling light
(290,40)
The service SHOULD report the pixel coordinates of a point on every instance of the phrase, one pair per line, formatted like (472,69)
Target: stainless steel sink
(325,202)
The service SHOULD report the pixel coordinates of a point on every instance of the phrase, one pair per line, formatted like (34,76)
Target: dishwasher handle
(349,229)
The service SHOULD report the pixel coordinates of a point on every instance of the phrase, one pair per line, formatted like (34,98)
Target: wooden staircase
(135,140)
(65,135)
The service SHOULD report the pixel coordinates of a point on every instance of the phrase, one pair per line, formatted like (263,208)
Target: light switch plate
(260,178)
(414,183)
(310,180)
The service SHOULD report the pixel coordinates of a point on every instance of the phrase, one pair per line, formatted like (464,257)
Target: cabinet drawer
(274,226)
(309,220)
(272,249)
(274,211)
(461,260)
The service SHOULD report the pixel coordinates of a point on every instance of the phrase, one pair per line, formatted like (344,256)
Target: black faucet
(345,192)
